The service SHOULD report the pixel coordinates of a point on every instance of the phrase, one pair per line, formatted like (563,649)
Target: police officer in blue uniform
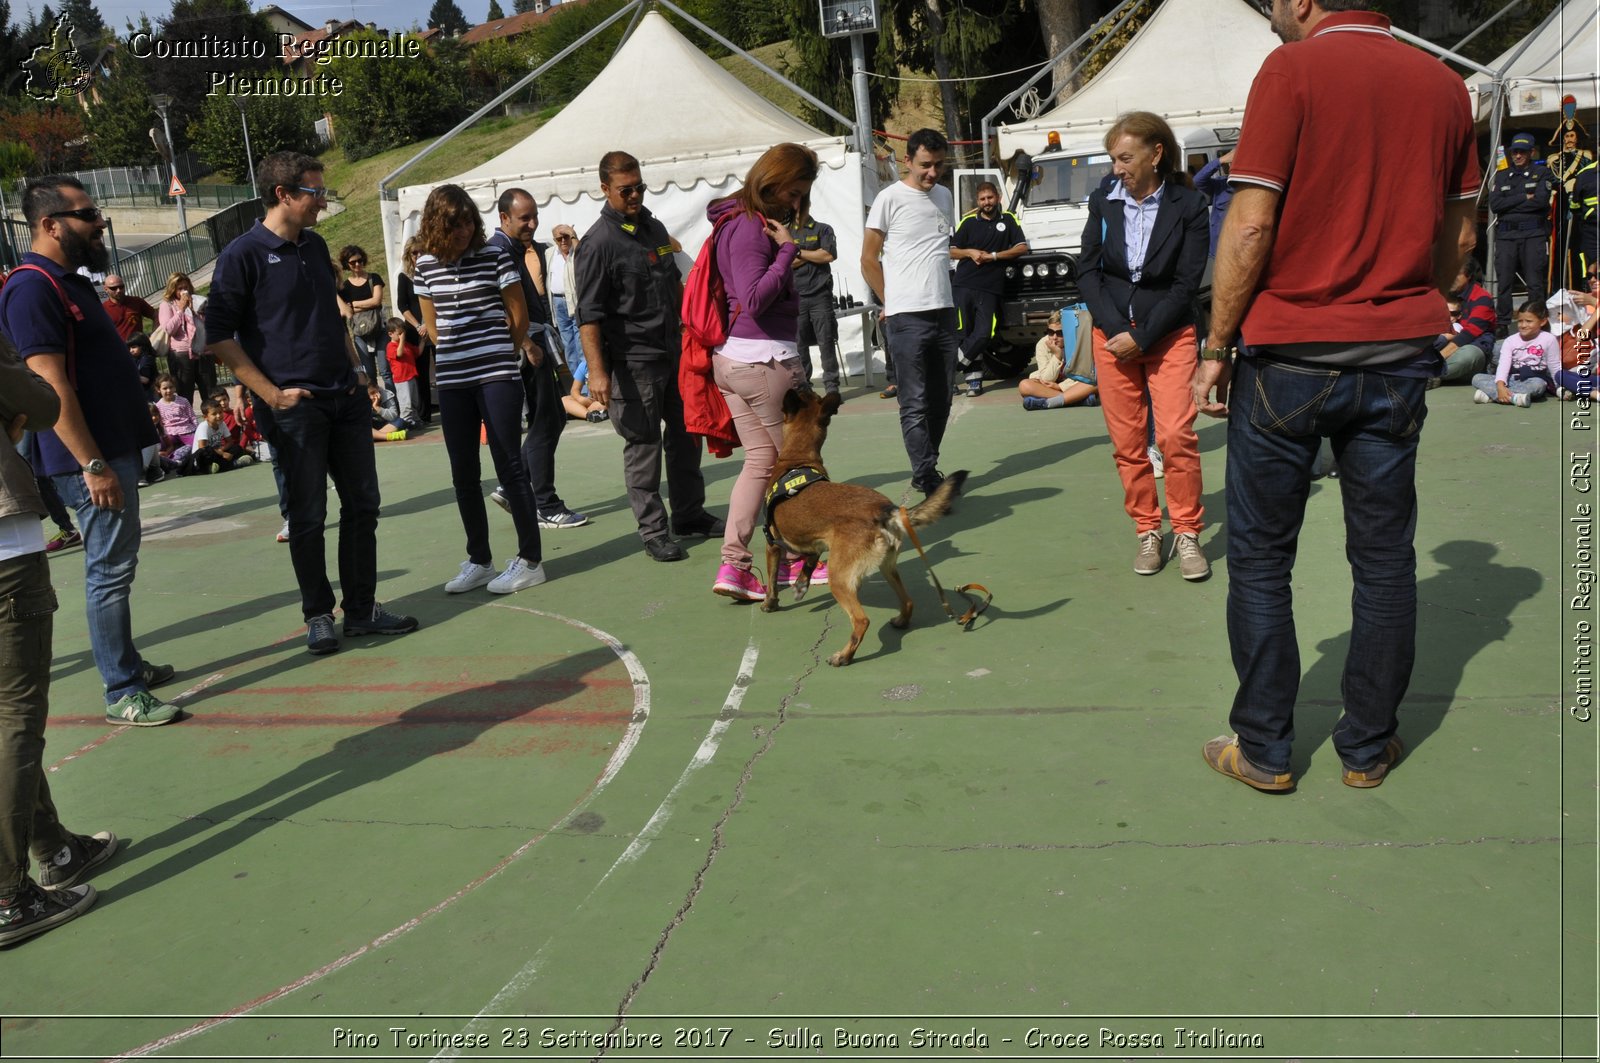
(1520,199)
(984,240)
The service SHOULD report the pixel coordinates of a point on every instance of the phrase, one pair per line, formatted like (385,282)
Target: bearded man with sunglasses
(53,315)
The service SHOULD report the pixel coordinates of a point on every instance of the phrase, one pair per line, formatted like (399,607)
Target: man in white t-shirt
(905,259)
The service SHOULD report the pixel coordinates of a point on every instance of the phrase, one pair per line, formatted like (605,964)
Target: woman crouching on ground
(760,363)
(473,310)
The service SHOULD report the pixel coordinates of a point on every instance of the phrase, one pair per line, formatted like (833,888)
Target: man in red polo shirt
(1333,266)
(126,310)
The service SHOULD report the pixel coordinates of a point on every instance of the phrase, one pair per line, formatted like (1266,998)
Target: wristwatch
(1218,354)
(97,467)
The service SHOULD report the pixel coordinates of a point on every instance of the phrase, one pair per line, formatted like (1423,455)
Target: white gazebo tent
(1191,62)
(1559,58)
(695,129)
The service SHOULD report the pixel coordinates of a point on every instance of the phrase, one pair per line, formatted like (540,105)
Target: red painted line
(431,686)
(109,735)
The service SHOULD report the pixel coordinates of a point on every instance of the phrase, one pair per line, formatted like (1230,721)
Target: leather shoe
(703,525)
(664,549)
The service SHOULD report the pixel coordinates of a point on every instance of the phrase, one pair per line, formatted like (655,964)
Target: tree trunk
(1062,22)
(941,70)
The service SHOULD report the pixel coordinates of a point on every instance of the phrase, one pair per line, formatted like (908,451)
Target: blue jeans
(570,340)
(110,556)
(1281,413)
(924,347)
(318,438)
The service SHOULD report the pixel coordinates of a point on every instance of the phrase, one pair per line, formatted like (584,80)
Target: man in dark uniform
(813,281)
(1585,193)
(519,219)
(1520,200)
(985,238)
(628,291)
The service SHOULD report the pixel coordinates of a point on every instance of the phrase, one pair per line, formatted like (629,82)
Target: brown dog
(859,528)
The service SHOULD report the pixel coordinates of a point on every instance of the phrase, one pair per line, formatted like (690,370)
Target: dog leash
(976,606)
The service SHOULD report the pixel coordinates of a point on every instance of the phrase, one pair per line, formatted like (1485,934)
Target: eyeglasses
(320,193)
(629,191)
(88,214)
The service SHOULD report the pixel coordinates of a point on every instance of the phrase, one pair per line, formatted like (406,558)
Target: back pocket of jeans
(1287,400)
(1408,405)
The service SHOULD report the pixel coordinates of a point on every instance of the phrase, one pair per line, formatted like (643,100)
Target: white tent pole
(1441,51)
(758,64)
(1049,67)
(627,31)
(383,185)
(1527,42)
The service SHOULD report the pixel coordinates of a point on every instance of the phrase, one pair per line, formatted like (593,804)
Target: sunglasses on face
(629,191)
(1052,332)
(88,214)
(356,262)
(113,287)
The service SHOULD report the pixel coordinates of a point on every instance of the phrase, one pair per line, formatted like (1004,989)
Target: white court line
(652,829)
(625,746)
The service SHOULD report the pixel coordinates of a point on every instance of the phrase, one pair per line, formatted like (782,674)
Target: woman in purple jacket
(760,363)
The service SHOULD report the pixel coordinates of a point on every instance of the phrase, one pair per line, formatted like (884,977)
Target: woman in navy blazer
(1144,253)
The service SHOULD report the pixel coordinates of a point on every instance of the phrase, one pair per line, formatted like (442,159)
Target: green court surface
(618,817)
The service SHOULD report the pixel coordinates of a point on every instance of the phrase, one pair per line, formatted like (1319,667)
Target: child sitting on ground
(1054,383)
(386,424)
(578,404)
(214,447)
(177,416)
(1529,362)
(172,453)
(403,365)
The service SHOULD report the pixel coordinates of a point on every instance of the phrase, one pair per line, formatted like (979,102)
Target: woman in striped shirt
(473,310)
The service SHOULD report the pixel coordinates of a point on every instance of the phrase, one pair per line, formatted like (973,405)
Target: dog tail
(938,504)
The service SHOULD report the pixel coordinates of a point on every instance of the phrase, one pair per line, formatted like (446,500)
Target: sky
(390,15)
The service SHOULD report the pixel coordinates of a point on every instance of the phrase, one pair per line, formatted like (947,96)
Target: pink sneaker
(789,571)
(738,584)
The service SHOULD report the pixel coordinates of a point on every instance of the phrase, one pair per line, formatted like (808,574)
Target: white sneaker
(1157,462)
(519,575)
(472,576)
(1521,399)
(283,533)
(1481,396)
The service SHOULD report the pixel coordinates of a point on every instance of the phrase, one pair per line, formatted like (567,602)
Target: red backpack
(705,297)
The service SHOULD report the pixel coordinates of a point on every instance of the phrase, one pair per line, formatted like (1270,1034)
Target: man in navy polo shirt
(92,455)
(274,298)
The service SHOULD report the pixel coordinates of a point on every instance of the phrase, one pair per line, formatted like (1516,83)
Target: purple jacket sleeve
(756,272)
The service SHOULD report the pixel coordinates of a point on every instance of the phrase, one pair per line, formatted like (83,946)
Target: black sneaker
(81,854)
(703,526)
(320,638)
(156,674)
(33,910)
(380,622)
(663,548)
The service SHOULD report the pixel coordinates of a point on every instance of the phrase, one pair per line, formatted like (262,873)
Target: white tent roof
(1562,58)
(1192,61)
(665,102)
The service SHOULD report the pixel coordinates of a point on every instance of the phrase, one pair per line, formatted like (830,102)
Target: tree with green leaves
(447,16)
(277,123)
(385,104)
(189,81)
(495,14)
(119,123)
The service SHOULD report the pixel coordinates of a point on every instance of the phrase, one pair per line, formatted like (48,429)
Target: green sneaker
(142,709)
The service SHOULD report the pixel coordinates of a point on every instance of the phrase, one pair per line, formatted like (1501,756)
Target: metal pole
(249,159)
(858,79)
(162,103)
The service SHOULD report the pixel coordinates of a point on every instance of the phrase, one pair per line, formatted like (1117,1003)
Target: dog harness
(786,487)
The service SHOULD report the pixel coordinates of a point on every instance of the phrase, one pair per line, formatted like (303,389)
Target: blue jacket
(1163,299)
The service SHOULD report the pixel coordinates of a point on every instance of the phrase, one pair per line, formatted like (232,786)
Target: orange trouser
(1165,370)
